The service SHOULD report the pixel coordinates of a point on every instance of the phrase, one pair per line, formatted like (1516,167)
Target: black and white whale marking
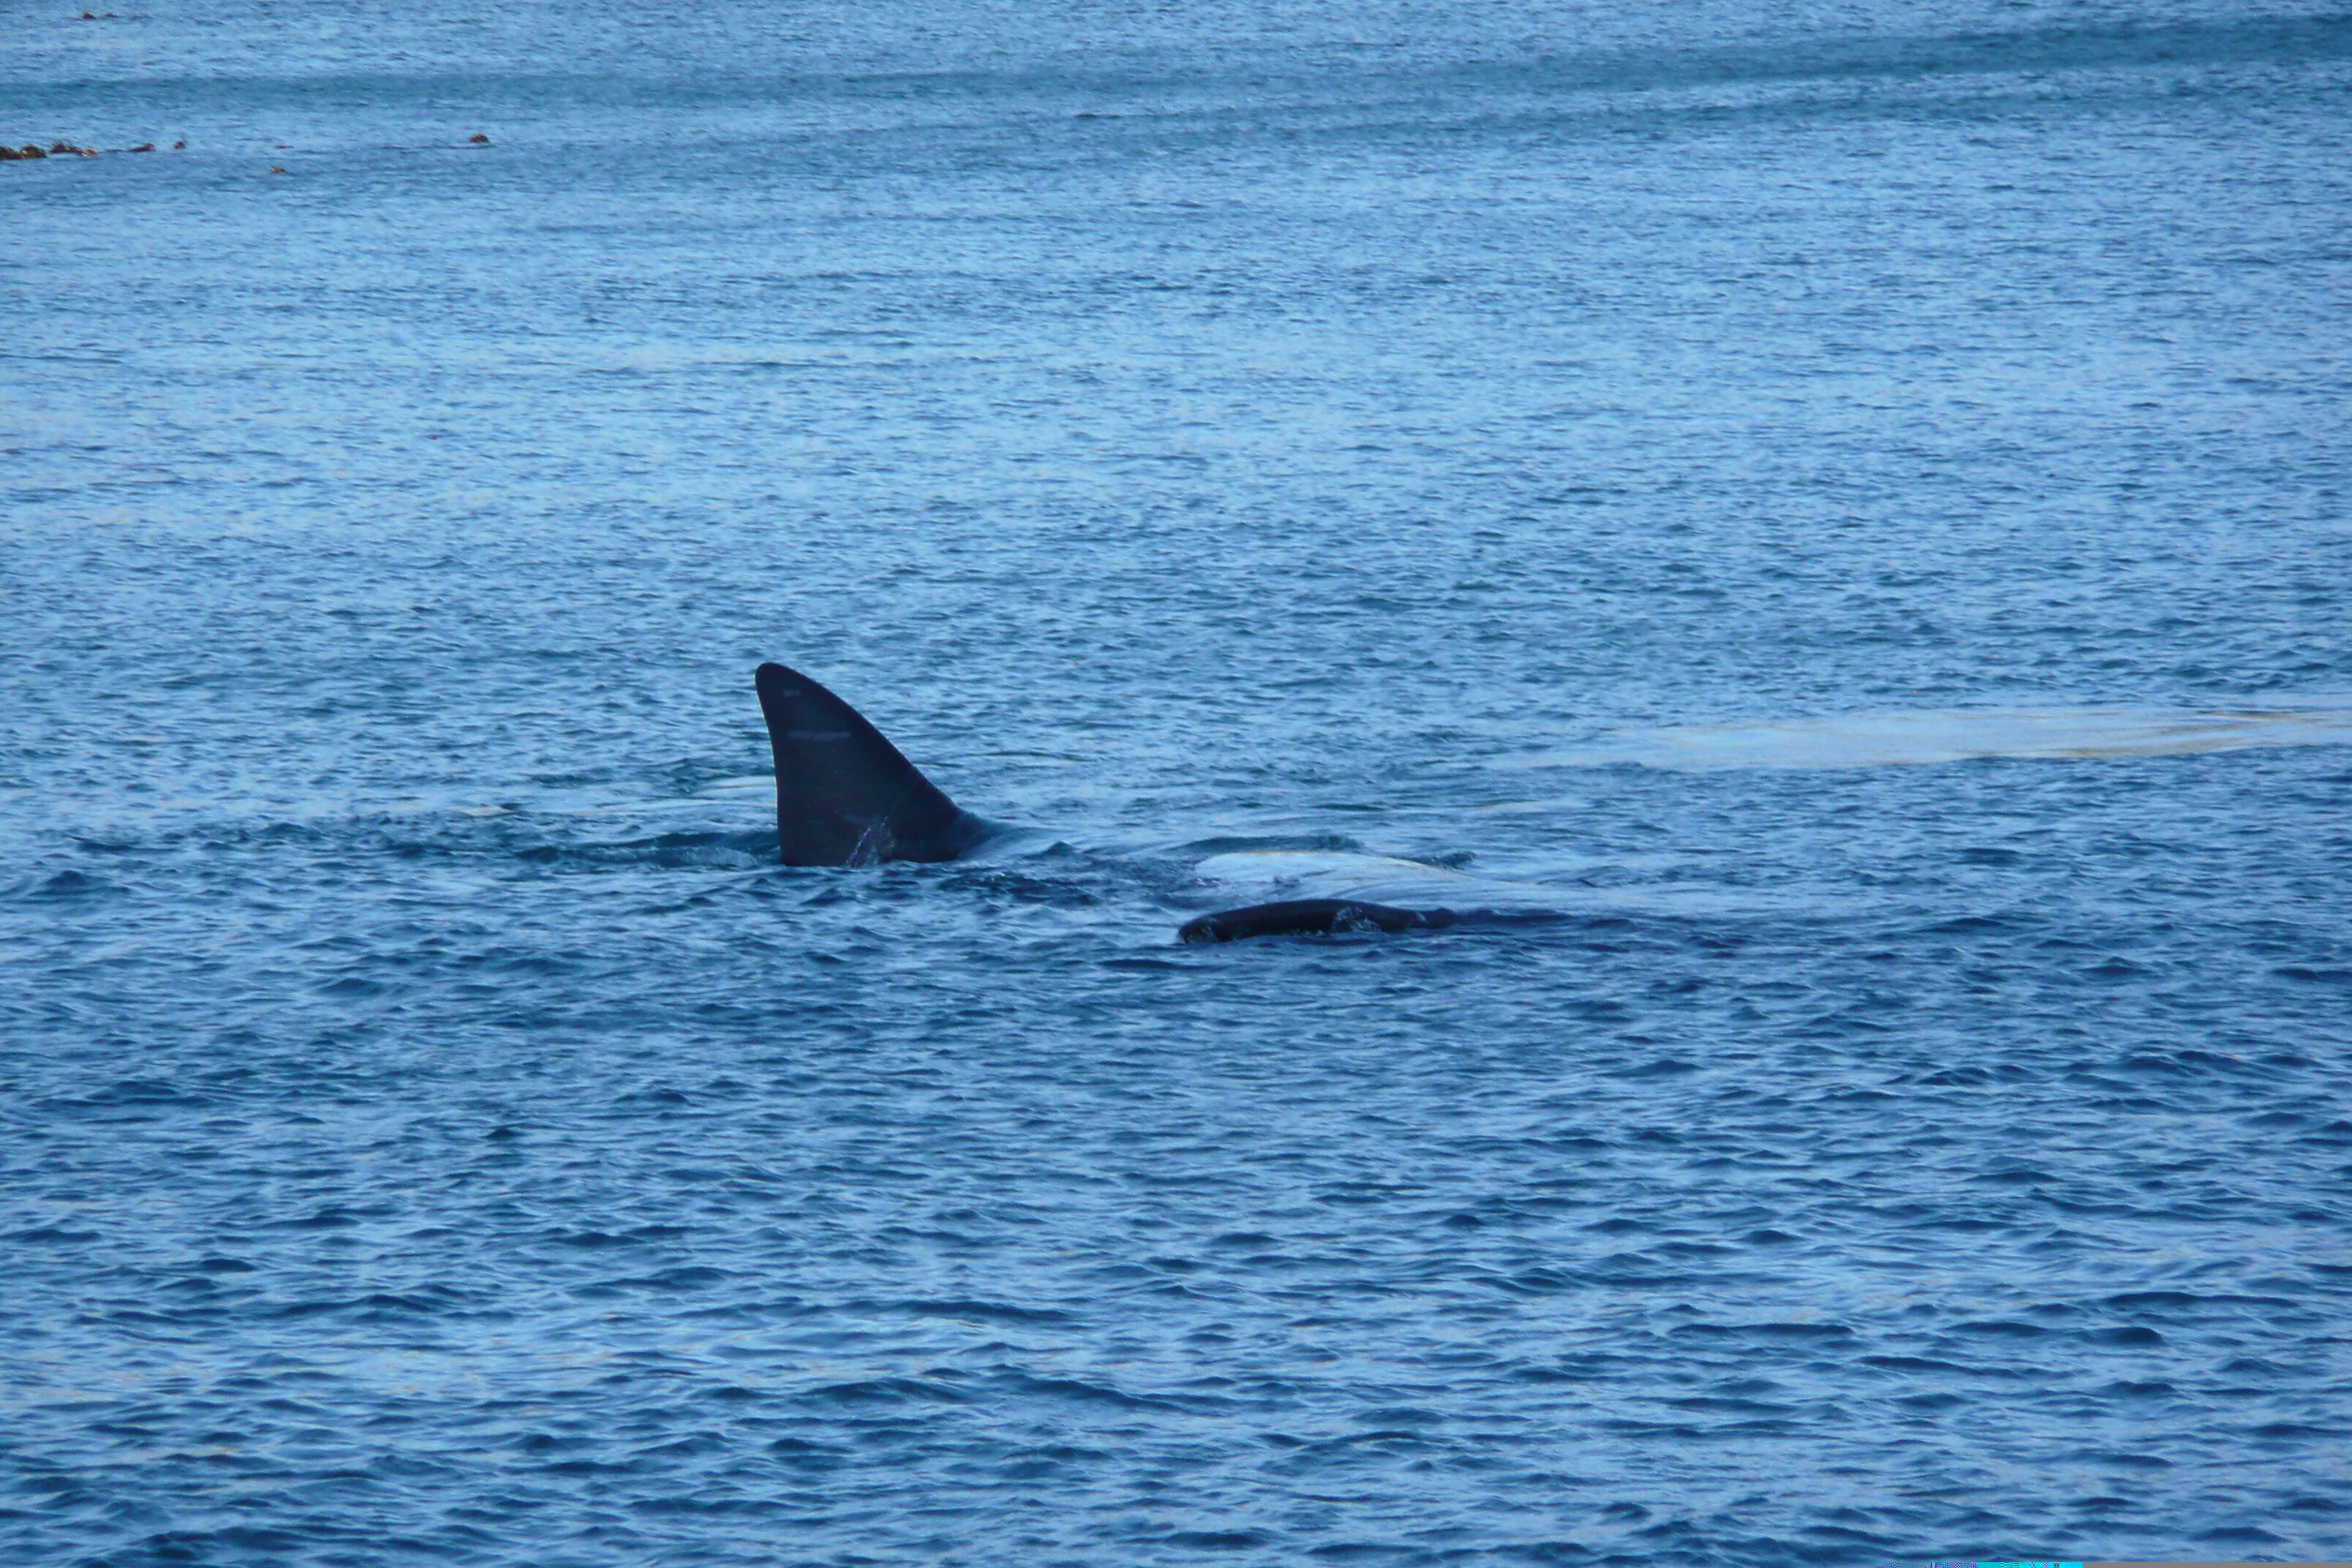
(846,797)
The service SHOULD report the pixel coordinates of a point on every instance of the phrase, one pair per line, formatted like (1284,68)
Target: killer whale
(846,797)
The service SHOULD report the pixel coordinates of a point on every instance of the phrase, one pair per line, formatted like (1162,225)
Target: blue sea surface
(1850,504)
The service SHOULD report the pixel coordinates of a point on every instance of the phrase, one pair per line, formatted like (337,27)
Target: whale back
(845,796)
(1309,917)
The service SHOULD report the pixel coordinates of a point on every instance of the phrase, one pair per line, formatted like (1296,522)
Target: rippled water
(1849,511)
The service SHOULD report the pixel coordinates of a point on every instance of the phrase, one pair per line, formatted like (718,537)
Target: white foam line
(1912,739)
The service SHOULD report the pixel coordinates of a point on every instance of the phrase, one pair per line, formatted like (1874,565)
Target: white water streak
(1864,740)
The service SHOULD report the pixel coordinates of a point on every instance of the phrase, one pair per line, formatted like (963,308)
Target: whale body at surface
(1309,917)
(846,797)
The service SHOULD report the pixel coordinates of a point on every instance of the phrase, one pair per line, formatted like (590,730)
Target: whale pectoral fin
(845,796)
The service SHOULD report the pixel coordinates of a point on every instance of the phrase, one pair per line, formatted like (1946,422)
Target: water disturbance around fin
(845,796)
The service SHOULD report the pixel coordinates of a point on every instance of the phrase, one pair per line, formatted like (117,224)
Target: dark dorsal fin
(845,796)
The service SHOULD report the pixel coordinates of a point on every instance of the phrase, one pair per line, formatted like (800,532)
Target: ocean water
(1845,508)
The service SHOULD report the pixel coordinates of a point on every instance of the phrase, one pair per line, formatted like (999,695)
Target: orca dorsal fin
(846,796)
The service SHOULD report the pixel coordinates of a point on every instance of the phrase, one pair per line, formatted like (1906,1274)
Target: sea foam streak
(1868,739)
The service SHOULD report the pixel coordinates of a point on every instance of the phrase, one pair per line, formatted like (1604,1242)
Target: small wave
(887,1391)
(979,1311)
(67,887)
(670,851)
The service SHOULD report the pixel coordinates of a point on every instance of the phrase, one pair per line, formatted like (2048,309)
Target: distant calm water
(1854,508)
